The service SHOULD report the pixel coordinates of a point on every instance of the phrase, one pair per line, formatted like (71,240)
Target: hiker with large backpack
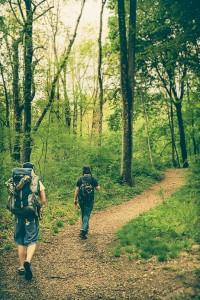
(84,192)
(26,196)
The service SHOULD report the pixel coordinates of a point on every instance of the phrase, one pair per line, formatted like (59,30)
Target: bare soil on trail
(66,268)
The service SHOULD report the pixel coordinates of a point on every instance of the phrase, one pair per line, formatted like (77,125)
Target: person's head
(28,165)
(86,169)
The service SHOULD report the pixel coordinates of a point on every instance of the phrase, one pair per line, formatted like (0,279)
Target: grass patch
(164,231)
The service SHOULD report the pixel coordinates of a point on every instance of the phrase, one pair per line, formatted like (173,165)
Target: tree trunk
(132,45)
(178,106)
(6,96)
(28,55)
(67,111)
(147,128)
(127,100)
(17,110)
(94,128)
(100,73)
(175,158)
(75,117)
(193,138)
(172,90)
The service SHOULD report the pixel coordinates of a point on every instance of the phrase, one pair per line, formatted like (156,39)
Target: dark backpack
(86,191)
(23,187)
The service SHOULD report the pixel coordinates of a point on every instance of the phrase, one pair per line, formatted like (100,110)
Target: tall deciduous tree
(23,12)
(18,107)
(28,56)
(169,37)
(100,72)
(127,58)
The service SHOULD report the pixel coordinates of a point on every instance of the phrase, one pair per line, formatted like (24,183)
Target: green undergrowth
(166,230)
(59,169)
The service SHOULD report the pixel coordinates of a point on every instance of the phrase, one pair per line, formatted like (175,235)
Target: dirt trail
(66,268)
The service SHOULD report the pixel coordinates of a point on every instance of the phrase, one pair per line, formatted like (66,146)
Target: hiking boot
(21,271)
(28,272)
(83,235)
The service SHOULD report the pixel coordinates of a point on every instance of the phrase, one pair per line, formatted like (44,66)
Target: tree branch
(60,68)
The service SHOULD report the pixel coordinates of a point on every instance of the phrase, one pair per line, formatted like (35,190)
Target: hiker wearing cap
(84,192)
(26,225)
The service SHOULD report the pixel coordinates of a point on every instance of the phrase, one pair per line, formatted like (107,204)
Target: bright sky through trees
(90,17)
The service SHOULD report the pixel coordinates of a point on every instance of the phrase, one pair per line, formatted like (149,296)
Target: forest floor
(66,268)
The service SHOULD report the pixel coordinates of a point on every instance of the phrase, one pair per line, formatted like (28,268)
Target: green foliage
(197,271)
(59,223)
(8,247)
(55,229)
(166,230)
(59,169)
(117,252)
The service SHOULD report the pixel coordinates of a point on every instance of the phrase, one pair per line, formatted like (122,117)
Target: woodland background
(121,94)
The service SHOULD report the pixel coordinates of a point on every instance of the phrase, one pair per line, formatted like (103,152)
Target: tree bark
(100,73)
(178,106)
(6,96)
(17,109)
(175,158)
(132,46)
(28,55)
(127,100)
(67,110)
(147,128)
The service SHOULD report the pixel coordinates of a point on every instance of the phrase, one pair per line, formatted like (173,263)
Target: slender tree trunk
(57,104)
(171,124)
(100,73)
(7,122)
(17,110)
(66,100)
(6,97)
(147,128)
(177,102)
(132,46)
(175,158)
(94,128)
(127,100)
(75,117)
(195,149)
(28,55)
(178,106)
(81,116)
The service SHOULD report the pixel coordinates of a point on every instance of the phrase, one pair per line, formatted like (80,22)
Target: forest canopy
(128,86)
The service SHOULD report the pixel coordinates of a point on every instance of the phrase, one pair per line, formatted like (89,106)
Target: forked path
(66,268)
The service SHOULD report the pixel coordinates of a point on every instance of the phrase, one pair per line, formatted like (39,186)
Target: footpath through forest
(66,268)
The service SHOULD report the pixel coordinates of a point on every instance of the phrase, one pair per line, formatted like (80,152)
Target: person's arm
(42,194)
(97,188)
(96,185)
(76,195)
(42,198)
